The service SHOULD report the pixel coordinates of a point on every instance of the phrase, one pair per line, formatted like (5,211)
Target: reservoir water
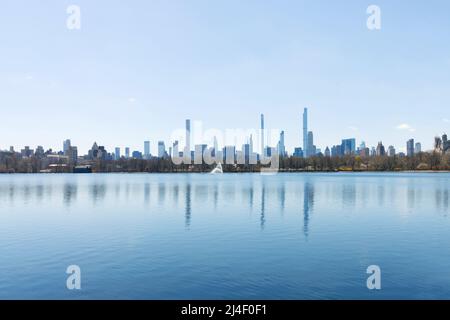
(229,236)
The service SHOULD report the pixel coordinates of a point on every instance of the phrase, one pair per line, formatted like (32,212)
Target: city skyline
(306,148)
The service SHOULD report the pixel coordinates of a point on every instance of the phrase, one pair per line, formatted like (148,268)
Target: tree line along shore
(420,162)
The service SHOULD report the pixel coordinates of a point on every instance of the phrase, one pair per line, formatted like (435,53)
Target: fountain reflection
(216,196)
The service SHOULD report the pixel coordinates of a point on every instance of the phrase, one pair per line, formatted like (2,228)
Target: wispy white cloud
(353,128)
(446,120)
(405,126)
(131,100)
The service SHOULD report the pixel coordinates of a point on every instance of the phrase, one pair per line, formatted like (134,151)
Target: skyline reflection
(274,195)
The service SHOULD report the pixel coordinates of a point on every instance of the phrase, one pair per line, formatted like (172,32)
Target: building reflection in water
(263,205)
(176,192)
(349,194)
(411,197)
(188,205)
(147,193)
(441,199)
(251,195)
(161,193)
(308,206)
(97,192)
(69,193)
(282,197)
(380,195)
(445,202)
(40,192)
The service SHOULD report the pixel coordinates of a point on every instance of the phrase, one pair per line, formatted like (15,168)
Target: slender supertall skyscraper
(188,135)
(262,134)
(305,132)
(216,145)
(281,147)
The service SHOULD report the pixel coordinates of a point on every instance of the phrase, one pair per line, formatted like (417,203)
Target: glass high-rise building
(188,135)
(418,148)
(281,146)
(66,146)
(146,149)
(161,149)
(305,132)
(348,146)
(391,151)
(410,148)
(262,134)
(310,145)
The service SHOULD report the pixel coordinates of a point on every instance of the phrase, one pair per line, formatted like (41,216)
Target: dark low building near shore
(82,169)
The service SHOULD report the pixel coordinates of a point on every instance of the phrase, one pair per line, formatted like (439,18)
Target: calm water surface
(231,236)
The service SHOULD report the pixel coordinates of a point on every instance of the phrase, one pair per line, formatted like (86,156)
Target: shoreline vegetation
(422,162)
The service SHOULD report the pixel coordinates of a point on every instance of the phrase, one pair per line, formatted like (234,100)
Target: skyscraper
(161,149)
(418,148)
(216,146)
(305,132)
(281,146)
(175,152)
(410,148)
(73,154)
(229,153)
(245,154)
(262,134)
(298,153)
(117,153)
(348,146)
(66,146)
(146,149)
(380,149)
(391,151)
(188,135)
(127,152)
(310,145)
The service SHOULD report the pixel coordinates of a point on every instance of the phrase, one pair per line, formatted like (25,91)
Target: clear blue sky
(137,69)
